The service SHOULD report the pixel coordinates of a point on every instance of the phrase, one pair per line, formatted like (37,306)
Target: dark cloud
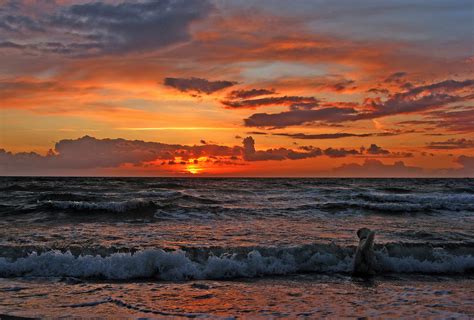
(257,133)
(111,28)
(250,154)
(419,98)
(452,144)
(416,99)
(459,121)
(446,86)
(395,77)
(400,104)
(246,94)
(197,84)
(298,117)
(132,26)
(92,152)
(339,153)
(323,136)
(295,101)
(341,86)
(339,135)
(375,149)
(381,91)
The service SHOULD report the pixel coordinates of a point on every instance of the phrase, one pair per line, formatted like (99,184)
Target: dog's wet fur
(364,259)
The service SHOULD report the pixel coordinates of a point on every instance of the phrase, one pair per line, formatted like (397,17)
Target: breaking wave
(228,263)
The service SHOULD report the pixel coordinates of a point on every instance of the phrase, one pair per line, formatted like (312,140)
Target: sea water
(156,247)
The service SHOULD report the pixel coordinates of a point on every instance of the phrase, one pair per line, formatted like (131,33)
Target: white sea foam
(179,265)
(443,262)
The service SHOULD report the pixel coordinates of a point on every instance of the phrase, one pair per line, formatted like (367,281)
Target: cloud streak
(197,85)
(321,136)
(295,102)
(250,93)
(452,144)
(299,117)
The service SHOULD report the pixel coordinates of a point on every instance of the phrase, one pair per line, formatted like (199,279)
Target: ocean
(234,247)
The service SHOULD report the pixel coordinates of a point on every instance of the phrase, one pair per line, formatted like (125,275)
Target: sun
(193,168)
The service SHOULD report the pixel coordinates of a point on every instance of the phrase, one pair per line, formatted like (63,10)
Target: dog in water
(364,260)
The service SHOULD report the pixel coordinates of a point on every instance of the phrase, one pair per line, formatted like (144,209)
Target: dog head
(363,233)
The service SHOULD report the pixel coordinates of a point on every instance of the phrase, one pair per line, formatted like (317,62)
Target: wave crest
(225,263)
(105,206)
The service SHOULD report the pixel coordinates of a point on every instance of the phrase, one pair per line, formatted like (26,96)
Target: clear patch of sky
(435,22)
(273,70)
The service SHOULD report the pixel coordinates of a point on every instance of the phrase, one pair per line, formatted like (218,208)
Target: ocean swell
(418,202)
(228,263)
(106,206)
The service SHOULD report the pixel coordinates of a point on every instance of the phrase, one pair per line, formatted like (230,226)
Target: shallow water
(306,296)
(279,234)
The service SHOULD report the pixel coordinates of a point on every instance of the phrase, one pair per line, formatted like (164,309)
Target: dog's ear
(359,232)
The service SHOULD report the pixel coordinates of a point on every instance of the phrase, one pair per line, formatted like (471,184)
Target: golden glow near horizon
(176,128)
(320,94)
(193,168)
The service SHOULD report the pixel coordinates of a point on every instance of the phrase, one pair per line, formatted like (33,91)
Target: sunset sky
(237,88)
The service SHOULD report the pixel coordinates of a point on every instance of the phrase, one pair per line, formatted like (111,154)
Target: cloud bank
(101,27)
(413,99)
(376,168)
(87,153)
(452,144)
